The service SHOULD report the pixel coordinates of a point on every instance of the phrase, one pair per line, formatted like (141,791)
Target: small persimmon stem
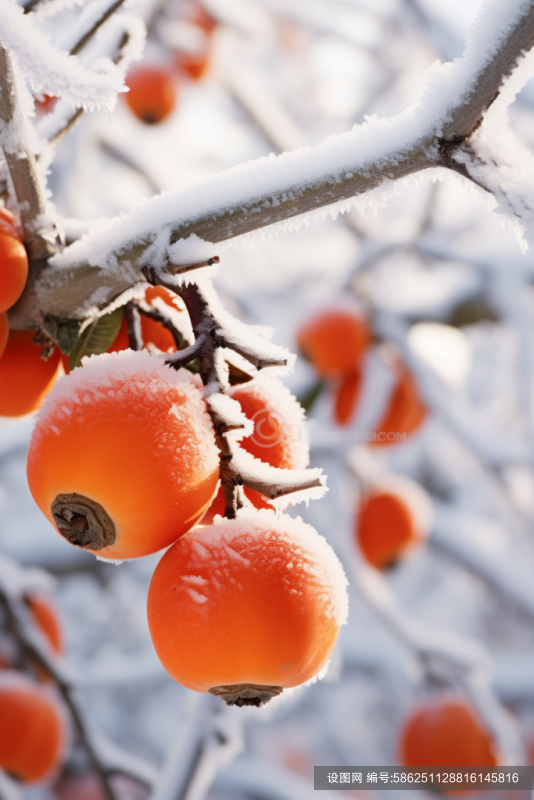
(133,323)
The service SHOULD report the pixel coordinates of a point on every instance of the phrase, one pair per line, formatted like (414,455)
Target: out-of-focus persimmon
(334,341)
(405,411)
(392,519)
(13,269)
(152,94)
(32,733)
(47,619)
(247,607)
(446,731)
(122,458)
(25,378)
(347,393)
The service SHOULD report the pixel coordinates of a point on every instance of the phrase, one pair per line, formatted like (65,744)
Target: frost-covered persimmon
(4,332)
(47,619)
(13,269)
(25,378)
(122,458)
(335,340)
(247,607)
(154,292)
(446,731)
(405,411)
(276,439)
(32,729)
(152,94)
(392,519)
(347,393)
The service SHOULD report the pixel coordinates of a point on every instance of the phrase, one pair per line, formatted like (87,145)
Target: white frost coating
(501,162)
(262,530)
(229,411)
(273,398)
(270,180)
(238,334)
(103,373)
(254,470)
(48,70)
(183,252)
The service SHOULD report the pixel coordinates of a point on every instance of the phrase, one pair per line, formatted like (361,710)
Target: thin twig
(88,35)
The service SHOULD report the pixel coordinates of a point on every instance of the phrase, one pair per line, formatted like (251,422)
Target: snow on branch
(41,233)
(48,70)
(308,180)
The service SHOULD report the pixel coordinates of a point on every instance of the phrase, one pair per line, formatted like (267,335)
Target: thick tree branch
(274,190)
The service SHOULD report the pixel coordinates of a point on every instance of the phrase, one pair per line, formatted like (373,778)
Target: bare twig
(34,647)
(95,27)
(212,738)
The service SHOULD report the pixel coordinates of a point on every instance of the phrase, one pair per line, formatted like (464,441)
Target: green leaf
(96,338)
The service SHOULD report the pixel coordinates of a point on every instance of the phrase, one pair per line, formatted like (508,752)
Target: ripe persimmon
(13,269)
(277,416)
(392,519)
(335,341)
(32,733)
(122,458)
(25,378)
(152,94)
(4,332)
(247,607)
(446,731)
(195,65)
(47,619)
(405,411)
(347,393)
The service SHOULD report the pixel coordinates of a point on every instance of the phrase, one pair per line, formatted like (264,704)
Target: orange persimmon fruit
(4,332)
(334,341)
(152,94)
(46,617)
(247,607)
(446,731)
(32,733)
(277,416)
(122,458)
(405,411)
(13,269)
(25,379)
(392,519)
(346,396)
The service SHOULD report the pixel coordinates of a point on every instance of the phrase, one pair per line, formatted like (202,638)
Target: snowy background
(324,65)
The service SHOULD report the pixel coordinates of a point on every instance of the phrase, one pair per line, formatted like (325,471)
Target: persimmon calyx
(246,694)
(83,522)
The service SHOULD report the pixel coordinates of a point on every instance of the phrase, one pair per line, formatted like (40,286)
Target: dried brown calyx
(246,694)
(83,522)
